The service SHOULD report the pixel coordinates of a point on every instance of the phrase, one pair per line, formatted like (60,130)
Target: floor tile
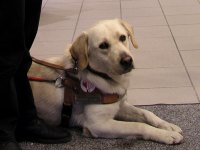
(183,19)
(101,5)
(98,14)
(154,31)
(65,1)
(139,4)
(157,59)
(186,30)
(89,1)
(182,10)
(142,12)
(84,24)
(188,43)
(54,35)
(156,44)
(191,58)
(195,75)
(62,6)
(198,91)
(159,77)
(182,95)
(147,21)
(179,2)
(60,14)
(46,48)
(52,22)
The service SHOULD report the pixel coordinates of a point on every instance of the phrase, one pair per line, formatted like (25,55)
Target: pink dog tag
(87,86)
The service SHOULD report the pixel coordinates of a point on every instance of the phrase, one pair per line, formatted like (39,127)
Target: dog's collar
(101,74)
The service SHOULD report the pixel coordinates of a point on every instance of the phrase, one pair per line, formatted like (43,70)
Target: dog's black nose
(126,62)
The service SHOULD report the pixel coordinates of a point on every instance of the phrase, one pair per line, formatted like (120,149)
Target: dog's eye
(104,45)
(122,38)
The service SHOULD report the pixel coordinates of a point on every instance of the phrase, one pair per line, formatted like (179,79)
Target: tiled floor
(168,32)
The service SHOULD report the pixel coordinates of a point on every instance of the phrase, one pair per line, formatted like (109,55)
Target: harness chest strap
(74,94)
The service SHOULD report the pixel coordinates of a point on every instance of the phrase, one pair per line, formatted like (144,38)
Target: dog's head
(105,47)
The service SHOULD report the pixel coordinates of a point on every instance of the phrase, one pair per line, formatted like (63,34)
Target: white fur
(117,120)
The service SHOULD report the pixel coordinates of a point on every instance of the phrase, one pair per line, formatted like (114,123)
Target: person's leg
(25,97)
(8,110)
(27,108)
(11,53)
(30,127)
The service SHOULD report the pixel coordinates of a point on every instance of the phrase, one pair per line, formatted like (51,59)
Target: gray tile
(54,35)
(157,59)
(191,58)
(198,91)
(145,12)
(69,2)
(182,10)
(179,2)
(156,44)
(101,5)
(154,31)
(99,14)
(56,22)
(59,14)
(139,4)
(159,77)
(84,24)
(180,95)
(183,19)
(186,30)
(89,1)
(48,48)
(62,6)
(188,43)
(147,21)
(195,75)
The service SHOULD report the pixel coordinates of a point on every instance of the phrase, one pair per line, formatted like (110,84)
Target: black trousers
(19,21)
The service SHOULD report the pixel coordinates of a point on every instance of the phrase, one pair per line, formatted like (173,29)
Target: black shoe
(38,131)
(9,146)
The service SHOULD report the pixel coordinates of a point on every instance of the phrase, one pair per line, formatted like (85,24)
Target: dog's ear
(79,51)
(129,29)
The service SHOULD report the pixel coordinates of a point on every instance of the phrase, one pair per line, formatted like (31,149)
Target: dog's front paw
(170,127)
(171,137)
(86,132)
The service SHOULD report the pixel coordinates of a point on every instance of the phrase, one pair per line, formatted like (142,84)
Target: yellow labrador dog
(105,48)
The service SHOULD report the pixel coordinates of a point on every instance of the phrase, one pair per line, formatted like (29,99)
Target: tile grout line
(198,98)
(120,2)
(77,21)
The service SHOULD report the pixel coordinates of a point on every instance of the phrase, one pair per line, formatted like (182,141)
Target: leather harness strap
(73,93)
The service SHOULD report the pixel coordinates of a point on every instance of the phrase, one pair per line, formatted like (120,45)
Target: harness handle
(73,70)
